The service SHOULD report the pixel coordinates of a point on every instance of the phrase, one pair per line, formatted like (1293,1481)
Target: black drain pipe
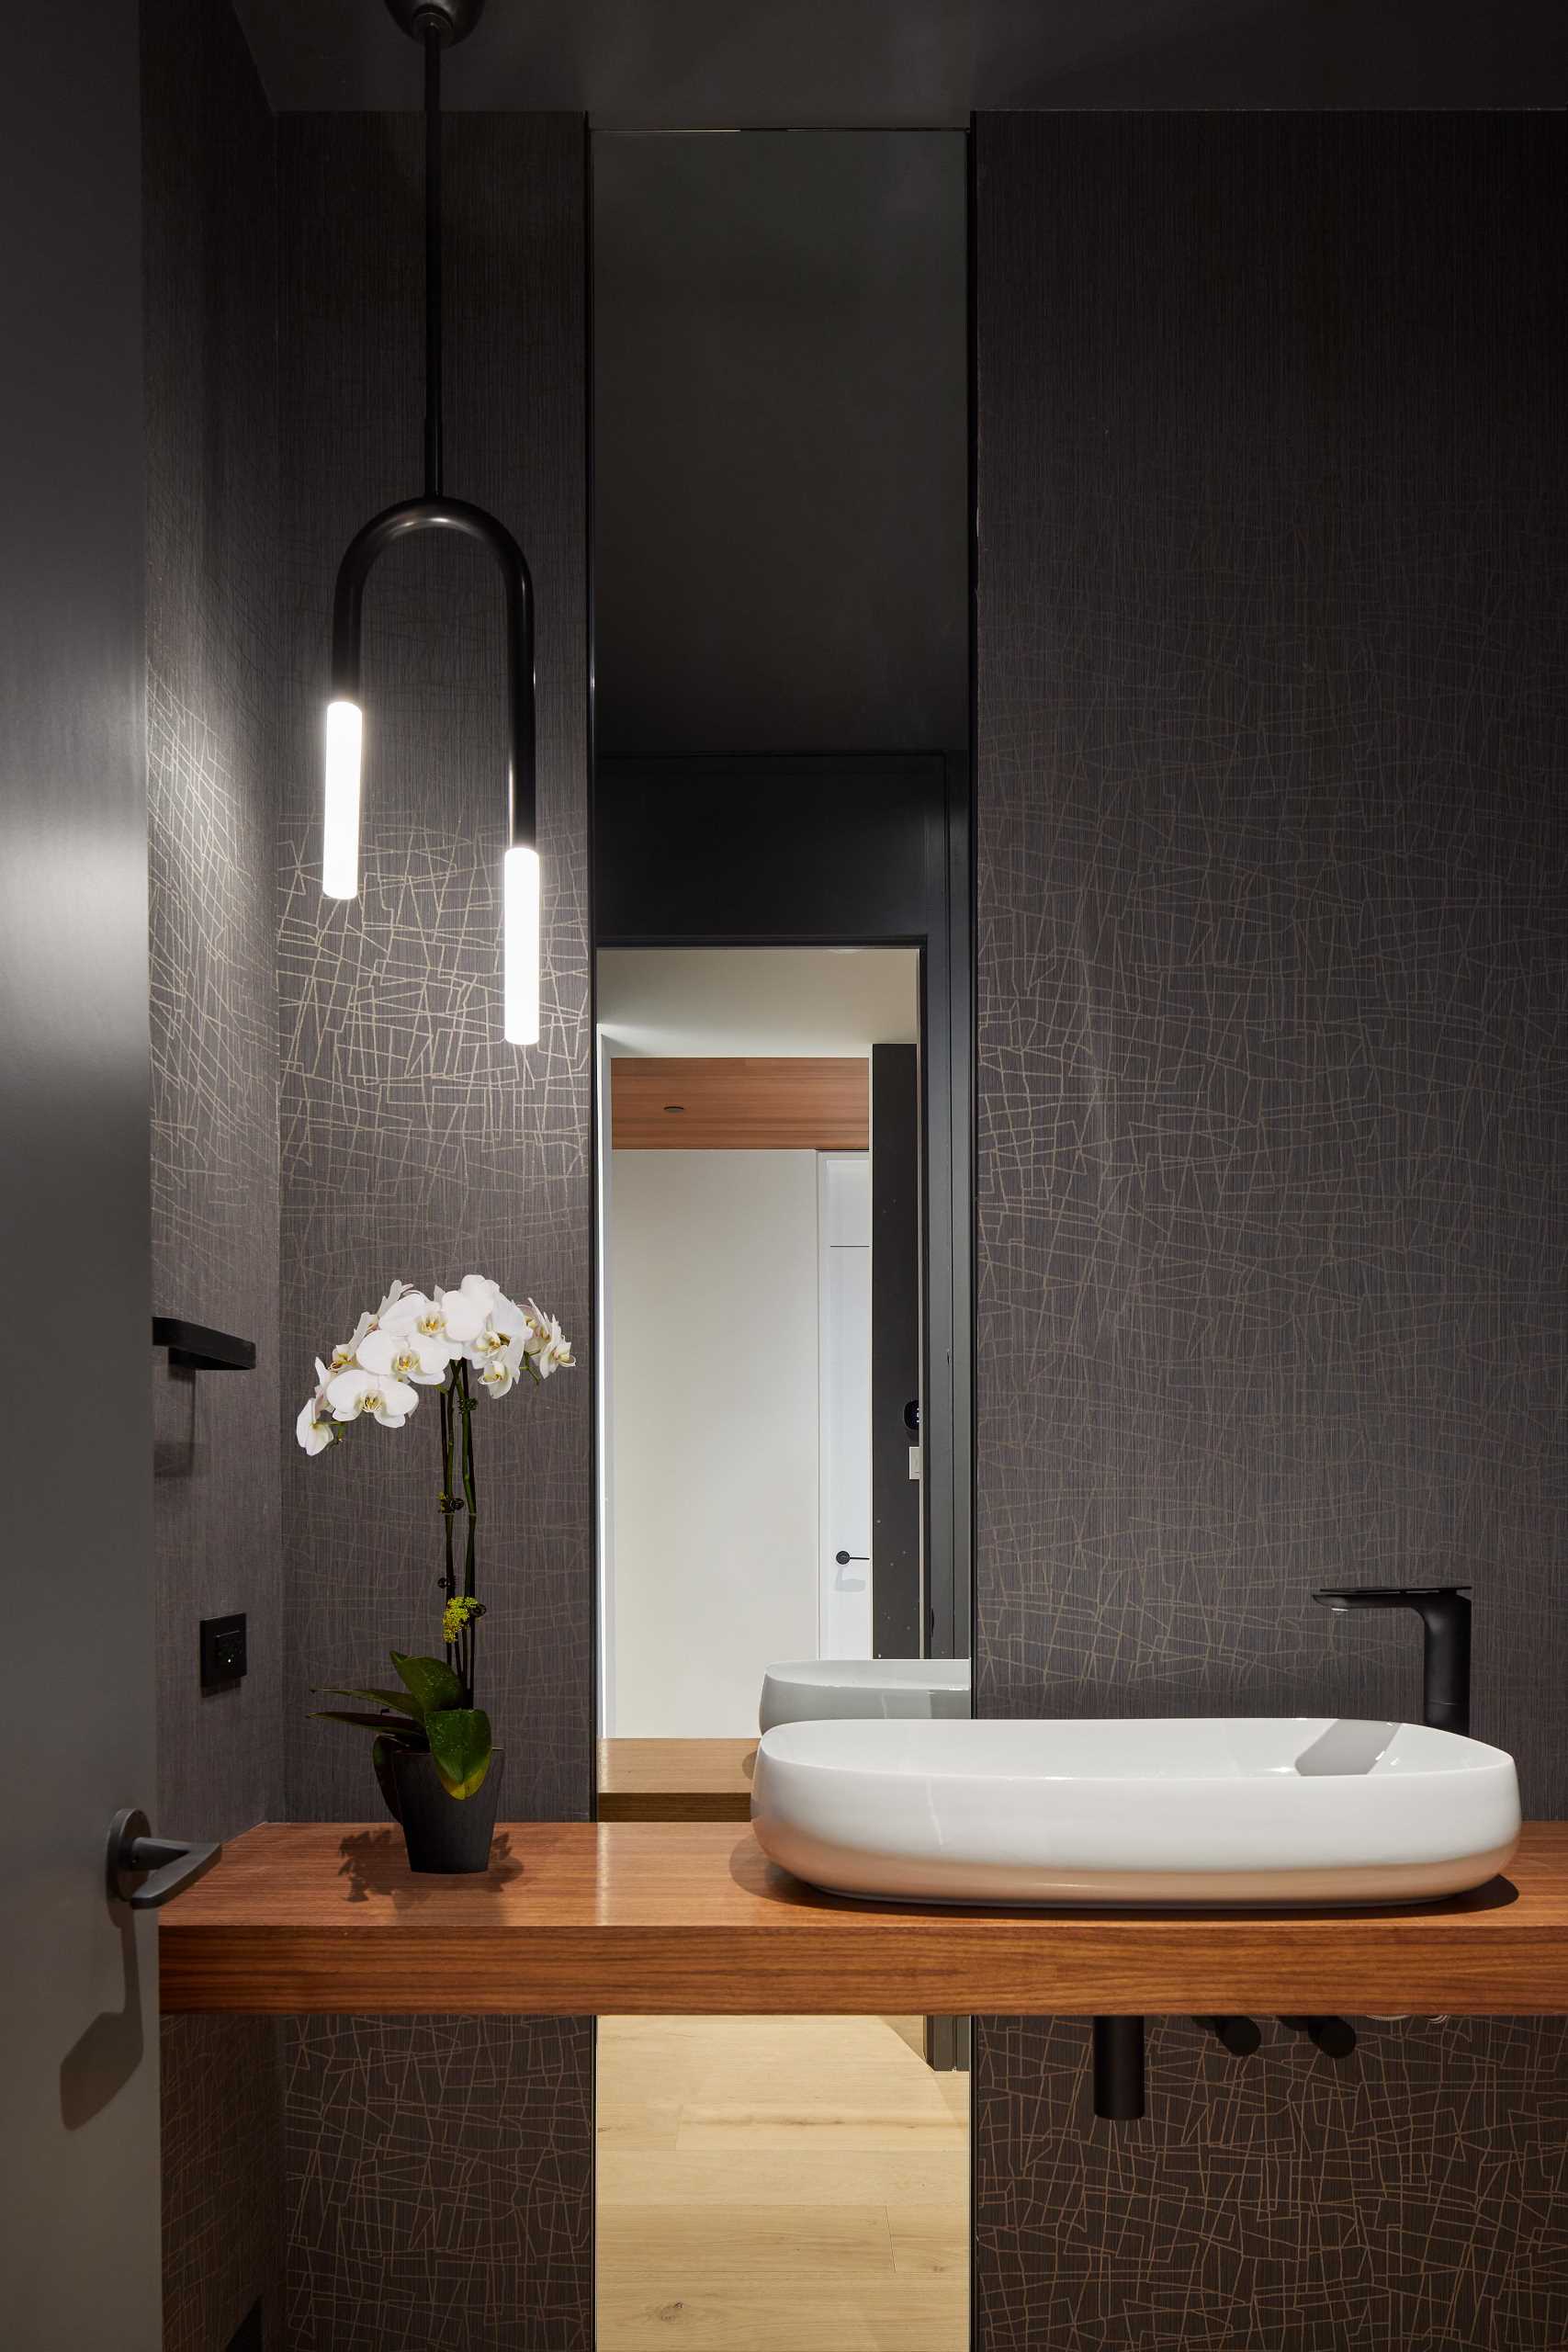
(1118,2069)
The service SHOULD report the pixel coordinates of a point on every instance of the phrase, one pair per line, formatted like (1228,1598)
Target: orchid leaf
(429,1681)
(404,1726)
(460,1745)
(397,1699)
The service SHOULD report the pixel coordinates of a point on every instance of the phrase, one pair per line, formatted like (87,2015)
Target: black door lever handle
(144,1871)
(844,1558)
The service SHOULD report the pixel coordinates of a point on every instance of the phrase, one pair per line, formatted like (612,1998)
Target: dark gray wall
(212,694)
(78,2180)
(780,443)
(896,63)
(1273,1160)
(213,656)
(417,1144)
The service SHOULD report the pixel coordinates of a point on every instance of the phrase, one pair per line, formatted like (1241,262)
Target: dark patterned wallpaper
(416,1143)
(1273,1153)
(223,2204)
(1409,2199)
(212,641)
(437,2169)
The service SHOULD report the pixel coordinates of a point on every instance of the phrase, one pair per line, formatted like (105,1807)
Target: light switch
(223,1650)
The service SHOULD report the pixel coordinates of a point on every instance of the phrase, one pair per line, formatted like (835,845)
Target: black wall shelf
(194,1347)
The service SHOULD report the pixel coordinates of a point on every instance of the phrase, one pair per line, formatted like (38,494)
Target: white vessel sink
(1240,1810)
(819,1690)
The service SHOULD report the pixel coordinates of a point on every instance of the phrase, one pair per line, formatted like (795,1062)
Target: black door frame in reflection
(852,850)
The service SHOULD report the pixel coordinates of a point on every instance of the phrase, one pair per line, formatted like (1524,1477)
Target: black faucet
(1444,1613)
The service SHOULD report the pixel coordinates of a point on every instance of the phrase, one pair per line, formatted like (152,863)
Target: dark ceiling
(709,65)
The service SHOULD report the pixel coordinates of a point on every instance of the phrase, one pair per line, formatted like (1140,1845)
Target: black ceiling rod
(437,33)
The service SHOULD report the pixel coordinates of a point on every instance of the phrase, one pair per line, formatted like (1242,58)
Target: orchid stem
(448,1503)
(466,1406)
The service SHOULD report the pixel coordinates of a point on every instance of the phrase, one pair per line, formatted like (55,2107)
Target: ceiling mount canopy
(436,25)
(451,20)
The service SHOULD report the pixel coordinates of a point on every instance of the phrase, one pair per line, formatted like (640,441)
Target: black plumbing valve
(1336,2037)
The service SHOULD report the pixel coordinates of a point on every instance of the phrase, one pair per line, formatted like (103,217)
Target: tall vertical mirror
(781,893)
(764,1560)
(761,1193)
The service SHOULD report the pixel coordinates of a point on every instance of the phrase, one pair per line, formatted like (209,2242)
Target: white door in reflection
(844,1565)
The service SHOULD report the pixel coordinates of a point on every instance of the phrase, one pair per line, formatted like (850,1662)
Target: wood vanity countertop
(672,1918)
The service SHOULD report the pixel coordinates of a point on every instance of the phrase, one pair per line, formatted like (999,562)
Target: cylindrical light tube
(340,824)
(520,919)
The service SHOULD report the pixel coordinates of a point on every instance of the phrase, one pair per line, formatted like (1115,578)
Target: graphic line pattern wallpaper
(370,2182)
(1272,843)
(439,2171)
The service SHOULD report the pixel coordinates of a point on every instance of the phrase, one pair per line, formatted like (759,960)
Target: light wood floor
(780,2185)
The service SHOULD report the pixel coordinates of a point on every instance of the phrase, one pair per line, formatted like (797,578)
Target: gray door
(78,1983)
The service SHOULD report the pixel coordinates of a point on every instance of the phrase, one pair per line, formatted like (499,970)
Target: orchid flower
(357,1391)
(505,1333)
(347,1350)
(407,1355)
(315,1427)
(483,1322)
(499,1371)
(412,1311)
(548,1348)
(412,1340)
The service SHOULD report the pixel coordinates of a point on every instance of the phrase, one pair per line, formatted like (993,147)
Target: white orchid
(548,1348)
(407,1355)
(500,1372)
(315,1427)
(481,1320)
(357,1391)
(506,1329)
(417,1340)
(452,1341)
(313,1434)
(412,1311)
(347,1350)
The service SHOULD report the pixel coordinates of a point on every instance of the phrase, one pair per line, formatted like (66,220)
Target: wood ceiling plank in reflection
(757,1103)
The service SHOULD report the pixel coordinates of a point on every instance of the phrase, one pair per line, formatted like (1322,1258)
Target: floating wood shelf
(689,1918)
(676,1780)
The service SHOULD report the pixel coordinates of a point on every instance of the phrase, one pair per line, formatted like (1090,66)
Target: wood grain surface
(766,2184)
(675,1780)
(689,1917)
(760,1102)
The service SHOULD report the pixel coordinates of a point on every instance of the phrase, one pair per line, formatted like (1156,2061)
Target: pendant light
(435,25)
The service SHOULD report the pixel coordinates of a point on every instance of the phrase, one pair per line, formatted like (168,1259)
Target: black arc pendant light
(435,25)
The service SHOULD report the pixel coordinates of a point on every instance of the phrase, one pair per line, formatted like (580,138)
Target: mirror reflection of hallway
(761,1329)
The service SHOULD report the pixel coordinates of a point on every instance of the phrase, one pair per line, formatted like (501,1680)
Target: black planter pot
(444,1835)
